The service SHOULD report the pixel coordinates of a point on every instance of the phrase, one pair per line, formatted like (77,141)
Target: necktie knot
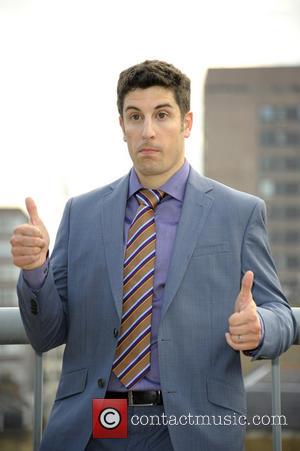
(149,197)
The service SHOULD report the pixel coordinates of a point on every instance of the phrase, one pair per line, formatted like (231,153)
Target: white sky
(59,65)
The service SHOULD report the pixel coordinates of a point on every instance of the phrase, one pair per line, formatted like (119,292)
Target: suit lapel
(195,209)
(113,216)
(196,206)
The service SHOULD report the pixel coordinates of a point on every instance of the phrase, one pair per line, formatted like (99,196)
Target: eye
(162,115)
(135,116)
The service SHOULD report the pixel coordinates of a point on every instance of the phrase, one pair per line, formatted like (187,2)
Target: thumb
(32,211)
(245,294)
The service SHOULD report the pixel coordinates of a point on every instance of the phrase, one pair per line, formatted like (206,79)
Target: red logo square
(110,418)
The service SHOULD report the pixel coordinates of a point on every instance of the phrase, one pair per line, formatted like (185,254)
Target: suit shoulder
(238,204)
(96,195)
(228,193)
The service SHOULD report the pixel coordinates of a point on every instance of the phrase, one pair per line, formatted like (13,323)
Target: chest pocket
(214,248)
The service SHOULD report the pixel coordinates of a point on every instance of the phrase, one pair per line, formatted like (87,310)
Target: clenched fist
(30,242)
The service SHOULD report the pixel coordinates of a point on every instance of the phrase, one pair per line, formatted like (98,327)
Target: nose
(148,129)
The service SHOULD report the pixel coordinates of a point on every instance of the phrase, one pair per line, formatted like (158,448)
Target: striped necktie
(132,359)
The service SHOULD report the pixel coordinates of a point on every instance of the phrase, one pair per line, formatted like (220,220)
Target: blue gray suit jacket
(221,234)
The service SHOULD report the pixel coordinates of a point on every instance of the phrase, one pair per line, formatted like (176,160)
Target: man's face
(154,131)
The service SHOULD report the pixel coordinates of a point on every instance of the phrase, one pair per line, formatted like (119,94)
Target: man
(155,284)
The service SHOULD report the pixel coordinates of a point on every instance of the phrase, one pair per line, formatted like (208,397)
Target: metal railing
(12,332)
(276,391)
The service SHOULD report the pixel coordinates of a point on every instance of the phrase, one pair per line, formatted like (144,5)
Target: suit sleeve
(45,312)
(272,305)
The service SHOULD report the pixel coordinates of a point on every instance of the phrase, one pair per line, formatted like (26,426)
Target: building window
(279,138)
(283,212)
(280,163)
(285,89)
(269,188)
(287,188)
(284,262)
(292,261)
(273,113)
(285,237)
(224,88)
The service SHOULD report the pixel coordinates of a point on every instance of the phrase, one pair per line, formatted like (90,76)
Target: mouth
(148,150)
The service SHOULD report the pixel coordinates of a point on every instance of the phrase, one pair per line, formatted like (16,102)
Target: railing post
(276,405)
(38,402)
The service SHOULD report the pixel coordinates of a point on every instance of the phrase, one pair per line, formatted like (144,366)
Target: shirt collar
(175,186)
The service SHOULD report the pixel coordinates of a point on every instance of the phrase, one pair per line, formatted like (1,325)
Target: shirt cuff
(253,352)
(36,277)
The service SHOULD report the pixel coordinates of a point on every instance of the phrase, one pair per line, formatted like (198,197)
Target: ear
(121,122)
(187,124)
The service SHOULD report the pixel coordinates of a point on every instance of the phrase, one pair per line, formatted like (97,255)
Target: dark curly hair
(155,73)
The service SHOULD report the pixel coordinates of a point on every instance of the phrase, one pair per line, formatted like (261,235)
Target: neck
(154,181)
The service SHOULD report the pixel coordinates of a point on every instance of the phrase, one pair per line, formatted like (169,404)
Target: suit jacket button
(101,382)
(116,332)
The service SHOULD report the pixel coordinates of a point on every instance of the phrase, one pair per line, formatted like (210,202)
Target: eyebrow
(162,105)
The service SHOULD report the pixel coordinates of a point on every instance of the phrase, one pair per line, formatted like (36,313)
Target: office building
(252,143)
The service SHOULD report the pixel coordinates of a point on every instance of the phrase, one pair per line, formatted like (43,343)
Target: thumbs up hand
(244,324)
(30,242)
